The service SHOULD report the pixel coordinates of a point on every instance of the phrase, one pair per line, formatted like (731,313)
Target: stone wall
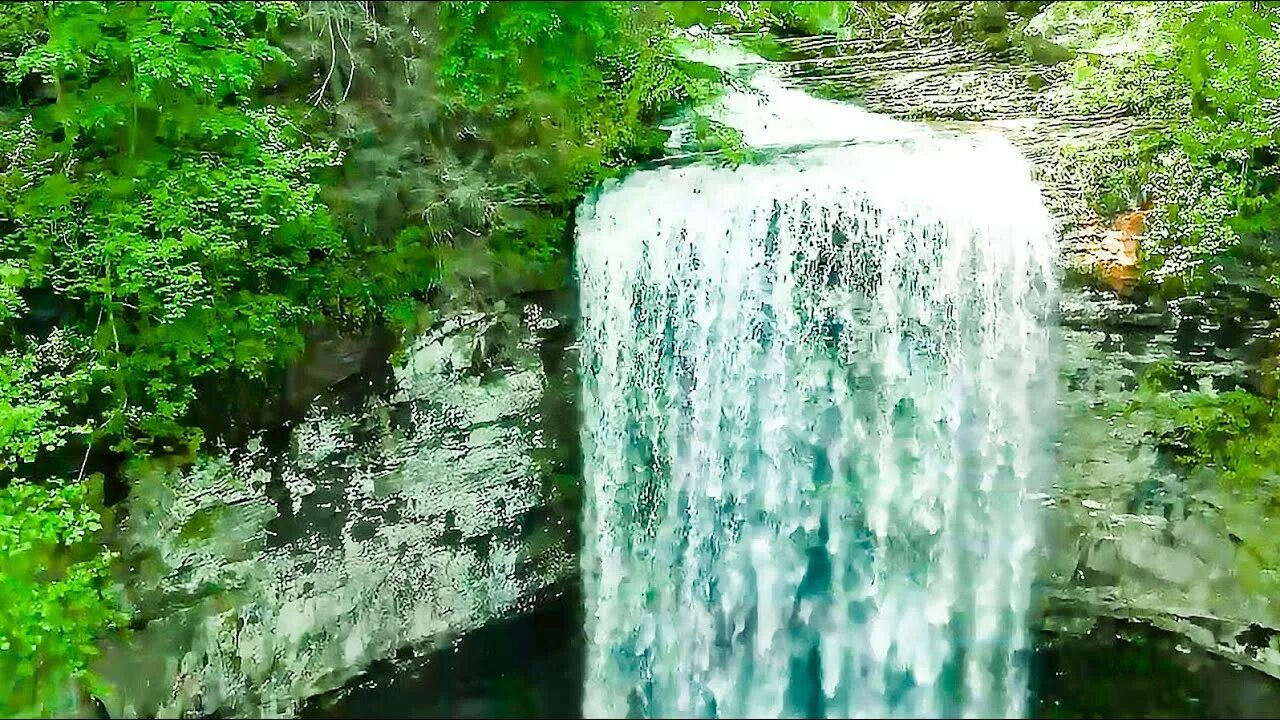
(401,511)
(1128,533)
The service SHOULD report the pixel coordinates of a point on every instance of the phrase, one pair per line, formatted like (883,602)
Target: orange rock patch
(1111,255)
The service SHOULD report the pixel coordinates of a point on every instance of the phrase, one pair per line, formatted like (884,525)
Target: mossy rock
(1036,81)
(1045,52)
(990,17)
(1028,9)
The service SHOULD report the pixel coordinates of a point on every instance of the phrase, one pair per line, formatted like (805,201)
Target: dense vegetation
(188,188)
(1207,73)
(1232,436)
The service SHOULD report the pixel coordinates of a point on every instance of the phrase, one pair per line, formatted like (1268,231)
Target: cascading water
(815,403)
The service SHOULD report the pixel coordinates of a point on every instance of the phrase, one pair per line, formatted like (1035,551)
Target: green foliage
(23,27)
(400,194)
(1117,176)
(178,217)
(55,597)
(560,96)
(483,122)
(158,223)
(1121,53)
(54,581)
(39,385)
(1202,427)
(1209,73)
(1227,55)
(1234,436)
(714,136)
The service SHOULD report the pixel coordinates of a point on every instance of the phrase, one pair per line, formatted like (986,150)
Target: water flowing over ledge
(817,397)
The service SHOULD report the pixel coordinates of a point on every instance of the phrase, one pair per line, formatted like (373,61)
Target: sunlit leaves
(54,595)
(566,91)
(190,224)
(158,223)
(39,384)
(1211,73)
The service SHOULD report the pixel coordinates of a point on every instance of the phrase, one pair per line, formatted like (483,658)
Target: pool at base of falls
(530,666)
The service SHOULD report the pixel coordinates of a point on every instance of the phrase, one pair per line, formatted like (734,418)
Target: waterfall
(817,396)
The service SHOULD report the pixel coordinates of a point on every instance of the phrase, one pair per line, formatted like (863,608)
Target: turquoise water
(816,400)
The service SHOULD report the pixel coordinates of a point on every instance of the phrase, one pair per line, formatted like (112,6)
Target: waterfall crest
(817,394)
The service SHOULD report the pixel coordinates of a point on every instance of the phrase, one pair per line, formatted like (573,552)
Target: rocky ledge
(401,511)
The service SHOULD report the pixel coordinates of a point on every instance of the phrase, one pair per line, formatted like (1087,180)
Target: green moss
(712,136)
(1234,437)
(55,595)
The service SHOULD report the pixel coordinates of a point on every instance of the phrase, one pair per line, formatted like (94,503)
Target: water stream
(818,393)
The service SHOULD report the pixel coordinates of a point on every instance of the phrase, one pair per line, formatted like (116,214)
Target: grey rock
(390,519)
(330,357)
(1127,533)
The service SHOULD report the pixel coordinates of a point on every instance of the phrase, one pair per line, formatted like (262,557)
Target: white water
(816,398)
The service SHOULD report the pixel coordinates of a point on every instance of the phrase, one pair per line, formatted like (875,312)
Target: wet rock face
(401,511)
(1126,669)
(1127,532)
